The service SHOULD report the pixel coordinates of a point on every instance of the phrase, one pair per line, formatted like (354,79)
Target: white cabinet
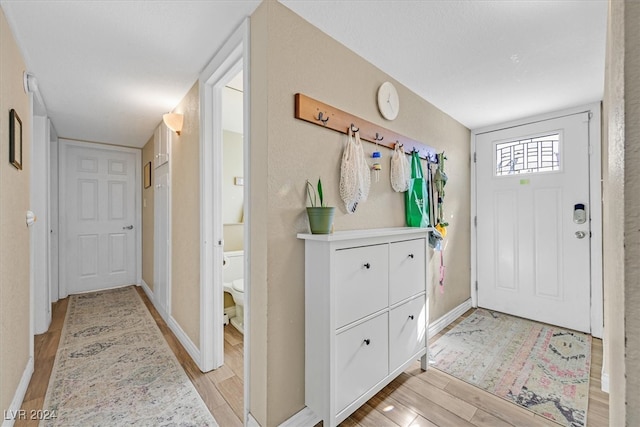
(365,314)
(161,139)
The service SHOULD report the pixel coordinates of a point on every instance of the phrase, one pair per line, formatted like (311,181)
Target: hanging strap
(416,167)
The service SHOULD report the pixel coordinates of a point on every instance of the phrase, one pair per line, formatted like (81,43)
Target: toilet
(233,282)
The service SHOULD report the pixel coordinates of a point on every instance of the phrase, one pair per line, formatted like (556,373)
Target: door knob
(580,234)
(130,227)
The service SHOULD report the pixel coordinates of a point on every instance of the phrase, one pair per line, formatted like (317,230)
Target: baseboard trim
(305,418)
(184,339)
(604,382)
(251,422)
(14,410)
(147,290)
(444,321)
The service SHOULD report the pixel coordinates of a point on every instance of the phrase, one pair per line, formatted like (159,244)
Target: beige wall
(233,166)
(147,217)
(632,208)
(288,55)
(232,194)
(14,240)
(185,218)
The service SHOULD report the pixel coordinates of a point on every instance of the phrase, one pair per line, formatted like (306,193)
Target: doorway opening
(225,222)
(538,222)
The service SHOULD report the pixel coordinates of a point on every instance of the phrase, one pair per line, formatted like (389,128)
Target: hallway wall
(15,339)
(289,55)
(185,217)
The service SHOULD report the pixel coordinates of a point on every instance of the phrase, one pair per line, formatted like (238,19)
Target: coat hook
(379,137)
(354,128)
(323,120)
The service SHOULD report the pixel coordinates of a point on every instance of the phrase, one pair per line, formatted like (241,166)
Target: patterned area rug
(114,368)
(543,368)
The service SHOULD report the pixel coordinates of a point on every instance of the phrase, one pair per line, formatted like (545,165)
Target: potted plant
(320,216)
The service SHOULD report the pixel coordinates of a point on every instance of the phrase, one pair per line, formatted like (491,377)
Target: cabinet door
(161,139)
(361,282)
(156,147)
(406,269)
(407,331)
(361,359)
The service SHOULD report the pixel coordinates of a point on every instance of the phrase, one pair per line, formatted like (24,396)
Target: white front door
(533,247)
(98,207)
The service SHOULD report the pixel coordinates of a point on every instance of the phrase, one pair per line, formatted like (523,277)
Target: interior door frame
(595,195)
(63,146)
(232,57)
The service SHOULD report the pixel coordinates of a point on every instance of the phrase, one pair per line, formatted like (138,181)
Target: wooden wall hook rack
(321,114)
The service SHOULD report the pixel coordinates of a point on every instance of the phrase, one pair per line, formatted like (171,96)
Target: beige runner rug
(114,368)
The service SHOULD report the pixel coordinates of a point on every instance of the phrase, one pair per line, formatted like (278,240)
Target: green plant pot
(321,220)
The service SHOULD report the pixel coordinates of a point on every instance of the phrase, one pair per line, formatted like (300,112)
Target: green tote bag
(417,196)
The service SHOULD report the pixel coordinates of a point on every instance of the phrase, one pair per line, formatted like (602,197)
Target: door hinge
(475,157)
(476,286)
(475,220)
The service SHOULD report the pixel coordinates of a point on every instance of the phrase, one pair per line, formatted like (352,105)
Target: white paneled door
(533,224)
(99,217)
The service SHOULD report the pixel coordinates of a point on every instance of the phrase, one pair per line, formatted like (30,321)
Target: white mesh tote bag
(355,176)
(400,170)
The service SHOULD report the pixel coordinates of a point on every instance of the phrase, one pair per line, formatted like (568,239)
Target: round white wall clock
(388,101)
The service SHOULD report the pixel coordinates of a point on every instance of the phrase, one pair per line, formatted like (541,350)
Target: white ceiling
(108,69)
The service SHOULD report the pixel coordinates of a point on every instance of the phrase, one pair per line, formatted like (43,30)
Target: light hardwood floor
(433,398)
(416,398)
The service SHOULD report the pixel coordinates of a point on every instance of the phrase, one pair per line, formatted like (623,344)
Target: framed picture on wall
(147,175)
(15,139)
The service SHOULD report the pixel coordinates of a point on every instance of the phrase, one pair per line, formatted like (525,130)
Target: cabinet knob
(411,316)
(411,256)
(367,341)
(367,266)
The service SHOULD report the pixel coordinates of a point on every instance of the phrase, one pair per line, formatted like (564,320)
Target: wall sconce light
(173,121)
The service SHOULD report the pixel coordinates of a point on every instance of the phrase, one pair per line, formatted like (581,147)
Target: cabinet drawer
(406,269)
(407,331)
(361,282)
(361,359)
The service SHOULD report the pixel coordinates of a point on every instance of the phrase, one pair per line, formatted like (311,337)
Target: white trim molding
(184,339)
(604,380)
(450,317)
(306,417)
(251,422)
(226,63)
(14,413)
